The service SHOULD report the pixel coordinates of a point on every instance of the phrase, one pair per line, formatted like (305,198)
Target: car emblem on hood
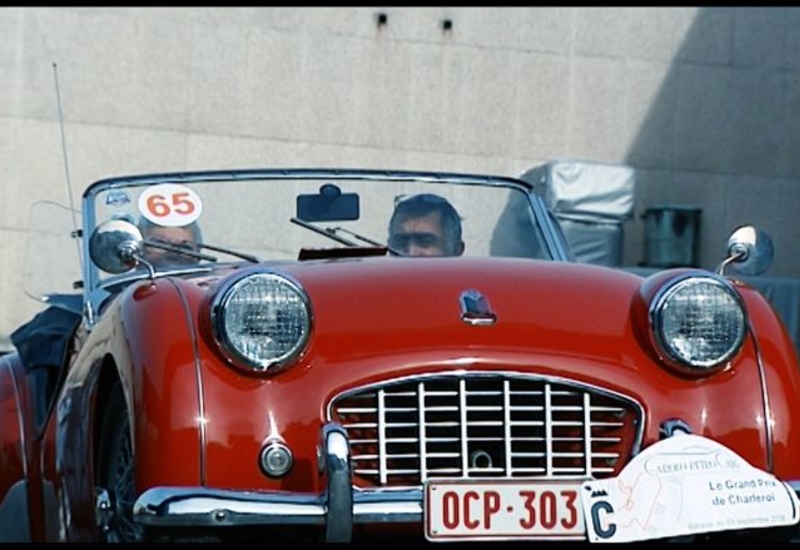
(475,309)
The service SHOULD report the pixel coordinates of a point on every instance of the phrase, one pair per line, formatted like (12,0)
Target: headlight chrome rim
(239,357)
(670,352)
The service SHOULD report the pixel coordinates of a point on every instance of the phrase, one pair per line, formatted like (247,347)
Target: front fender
(164,385)
(143,338)
(781,382)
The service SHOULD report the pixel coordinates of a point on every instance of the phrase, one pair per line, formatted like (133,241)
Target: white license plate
(503,509)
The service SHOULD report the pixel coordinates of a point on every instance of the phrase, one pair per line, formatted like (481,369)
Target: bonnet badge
(475,309)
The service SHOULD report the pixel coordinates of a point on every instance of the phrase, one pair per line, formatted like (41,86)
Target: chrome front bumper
(337,509)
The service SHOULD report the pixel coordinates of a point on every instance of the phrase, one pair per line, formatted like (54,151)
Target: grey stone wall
(703,102)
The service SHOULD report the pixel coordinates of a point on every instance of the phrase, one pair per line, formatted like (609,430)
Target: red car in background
(301,377)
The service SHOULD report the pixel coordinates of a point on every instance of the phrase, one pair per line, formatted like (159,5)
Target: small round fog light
(276,459)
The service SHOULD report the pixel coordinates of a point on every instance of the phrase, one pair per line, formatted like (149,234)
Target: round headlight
(698,322)
(263,320)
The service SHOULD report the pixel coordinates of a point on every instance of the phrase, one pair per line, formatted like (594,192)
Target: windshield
(273,215)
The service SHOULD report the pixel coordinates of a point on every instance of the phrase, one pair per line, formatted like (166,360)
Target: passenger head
(187,237)
(425,225)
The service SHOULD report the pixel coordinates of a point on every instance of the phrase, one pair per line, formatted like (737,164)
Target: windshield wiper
(357,236)
(178,250)
(200,256)
(326,231)
(334,233)
(242,255)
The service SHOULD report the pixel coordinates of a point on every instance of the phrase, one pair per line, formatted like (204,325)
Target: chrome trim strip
(383,467)
(587,427)
(138,180)
(463,433)
(198,372)
(548,429)
(544,220)
(423,435)
(507,425)
(762,375)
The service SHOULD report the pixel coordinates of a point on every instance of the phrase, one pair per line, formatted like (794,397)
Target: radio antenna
(75,229)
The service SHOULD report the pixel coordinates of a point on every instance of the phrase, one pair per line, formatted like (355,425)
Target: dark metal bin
(672,236)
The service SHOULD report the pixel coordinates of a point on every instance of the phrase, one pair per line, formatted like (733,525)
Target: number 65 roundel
(170,205)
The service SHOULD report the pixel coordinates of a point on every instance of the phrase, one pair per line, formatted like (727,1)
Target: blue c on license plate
(503,509)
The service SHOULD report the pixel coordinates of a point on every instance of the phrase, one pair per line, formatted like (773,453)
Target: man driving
(425,225)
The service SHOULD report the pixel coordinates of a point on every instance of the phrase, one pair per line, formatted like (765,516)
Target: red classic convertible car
(334,355)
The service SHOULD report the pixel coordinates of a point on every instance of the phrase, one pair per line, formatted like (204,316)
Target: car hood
(557,308)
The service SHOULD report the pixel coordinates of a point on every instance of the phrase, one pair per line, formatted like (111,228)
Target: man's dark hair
(422,204)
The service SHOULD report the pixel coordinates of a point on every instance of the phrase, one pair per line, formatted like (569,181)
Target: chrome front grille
(484,426)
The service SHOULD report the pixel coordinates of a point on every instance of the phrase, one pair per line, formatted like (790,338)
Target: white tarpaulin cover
(591,200)
(580,188)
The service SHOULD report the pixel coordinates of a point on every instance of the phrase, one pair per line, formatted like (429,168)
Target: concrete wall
(703,102)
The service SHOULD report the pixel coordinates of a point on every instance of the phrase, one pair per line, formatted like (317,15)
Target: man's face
(181,237)
(421,236)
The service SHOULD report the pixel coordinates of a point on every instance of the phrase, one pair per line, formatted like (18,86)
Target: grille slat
(362,425)
(401,440)
(462,406)
(482,425)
